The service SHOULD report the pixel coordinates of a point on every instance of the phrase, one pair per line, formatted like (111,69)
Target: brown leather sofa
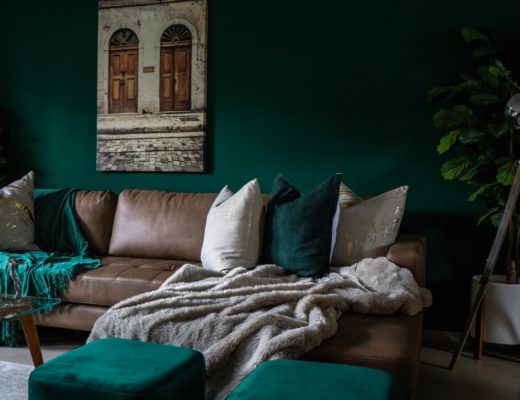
(144,236)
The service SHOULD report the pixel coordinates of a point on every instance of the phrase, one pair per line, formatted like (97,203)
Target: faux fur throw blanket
(243,317)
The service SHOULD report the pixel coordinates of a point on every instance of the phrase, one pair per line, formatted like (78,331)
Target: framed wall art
(151,88)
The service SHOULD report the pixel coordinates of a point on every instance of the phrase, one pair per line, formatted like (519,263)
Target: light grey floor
(490,378)
(53,342)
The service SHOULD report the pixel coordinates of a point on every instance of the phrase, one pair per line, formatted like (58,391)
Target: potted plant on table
(483,151)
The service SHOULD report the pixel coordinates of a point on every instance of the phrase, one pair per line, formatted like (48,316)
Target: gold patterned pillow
(368,228)
(347,197)
(17,215)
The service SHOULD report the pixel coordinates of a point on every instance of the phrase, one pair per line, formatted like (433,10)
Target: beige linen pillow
(17,215)
(368,228)
(234,229)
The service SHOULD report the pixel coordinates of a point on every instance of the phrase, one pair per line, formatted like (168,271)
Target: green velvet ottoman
(289,379)
(119,369)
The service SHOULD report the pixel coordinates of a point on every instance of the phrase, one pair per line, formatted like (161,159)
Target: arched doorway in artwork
(175,86)
(123,67)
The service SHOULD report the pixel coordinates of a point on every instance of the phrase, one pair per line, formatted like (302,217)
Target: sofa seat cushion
(388,342)
(118,279)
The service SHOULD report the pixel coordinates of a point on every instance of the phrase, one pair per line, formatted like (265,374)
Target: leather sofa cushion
(95,213)
(153,224)
(118,279)
(410,252)
(388,342)
(79,317)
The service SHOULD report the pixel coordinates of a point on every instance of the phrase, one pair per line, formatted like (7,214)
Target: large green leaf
(483,51)
(513,85)
(463,112)
(466,85)
(496,218)
(458,168)
(447,141)
(488,78)
(498,72)
(437,91)
(480,191)
(472,35)
(447,119)
(483,99)
(487,156)
(497,129)
(487,215)
(501,65)
(471,136)
(502,160)
(506,173)
(498,69)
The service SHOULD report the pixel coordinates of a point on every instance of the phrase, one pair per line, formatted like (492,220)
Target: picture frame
(151,87)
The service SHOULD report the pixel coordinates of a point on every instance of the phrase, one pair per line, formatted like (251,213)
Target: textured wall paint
(294,87)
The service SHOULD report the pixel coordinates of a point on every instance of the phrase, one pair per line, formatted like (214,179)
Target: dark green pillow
(299,226)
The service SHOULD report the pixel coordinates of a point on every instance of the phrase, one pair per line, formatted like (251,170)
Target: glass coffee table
(24,309)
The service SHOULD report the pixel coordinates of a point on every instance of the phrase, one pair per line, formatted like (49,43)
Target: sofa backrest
(95,212)
(165,225)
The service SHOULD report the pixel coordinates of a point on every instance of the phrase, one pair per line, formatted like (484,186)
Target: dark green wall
(304,87)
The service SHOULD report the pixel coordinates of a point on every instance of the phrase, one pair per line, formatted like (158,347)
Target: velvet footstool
(302,380)
(119,369)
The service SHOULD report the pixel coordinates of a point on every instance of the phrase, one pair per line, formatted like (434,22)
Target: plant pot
(502,310)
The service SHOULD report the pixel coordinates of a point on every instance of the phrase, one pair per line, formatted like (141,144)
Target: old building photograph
(151,89)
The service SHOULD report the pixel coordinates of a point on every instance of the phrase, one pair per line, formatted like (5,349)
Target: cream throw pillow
(17,215)
(368,228)
(234,229)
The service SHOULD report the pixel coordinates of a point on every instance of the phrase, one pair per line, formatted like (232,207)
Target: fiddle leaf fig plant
(480,147)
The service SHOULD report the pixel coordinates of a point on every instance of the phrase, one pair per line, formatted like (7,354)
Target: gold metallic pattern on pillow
(17,215)
(17,204)
(369,228)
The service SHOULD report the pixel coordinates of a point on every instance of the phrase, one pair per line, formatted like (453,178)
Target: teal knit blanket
(64,253)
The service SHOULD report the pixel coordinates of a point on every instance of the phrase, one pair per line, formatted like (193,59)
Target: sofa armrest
(410,252)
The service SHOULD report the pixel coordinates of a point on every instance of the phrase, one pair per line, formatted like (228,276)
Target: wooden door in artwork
(175,79)
(123,81)
(123,68)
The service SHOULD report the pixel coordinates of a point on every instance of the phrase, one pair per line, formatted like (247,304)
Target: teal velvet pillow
(299,226)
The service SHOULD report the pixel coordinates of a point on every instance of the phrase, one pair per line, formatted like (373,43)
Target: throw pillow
(299,226)
(234,229)
(347,197)
(368,229)
(17,215)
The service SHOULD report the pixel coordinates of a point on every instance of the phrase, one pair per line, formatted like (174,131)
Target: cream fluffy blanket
(243,317)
